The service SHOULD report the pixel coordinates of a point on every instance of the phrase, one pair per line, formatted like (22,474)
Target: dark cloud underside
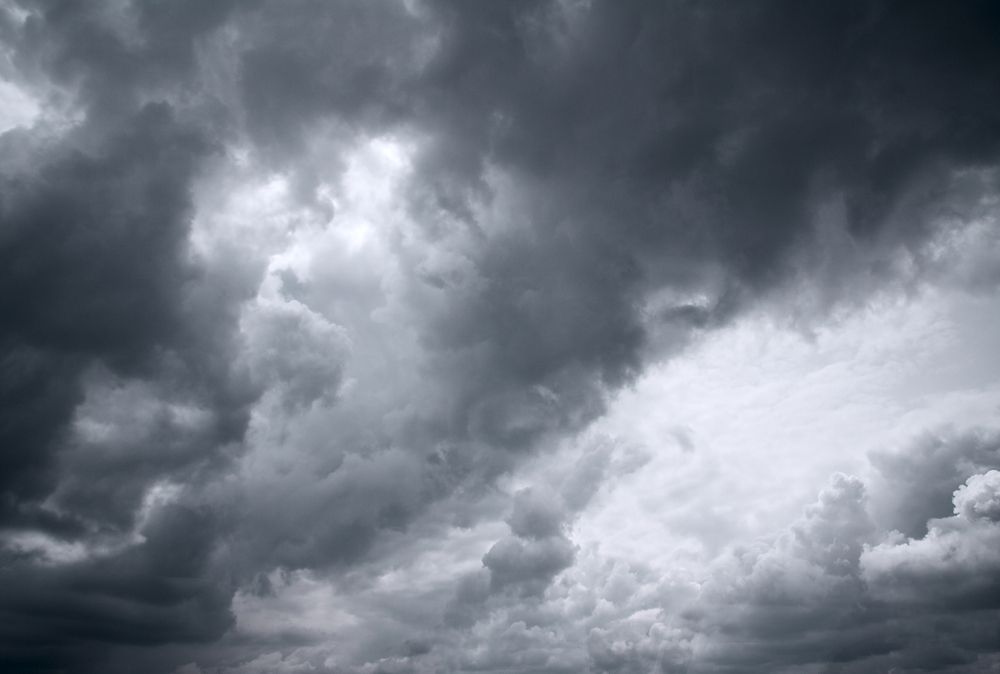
(604,182)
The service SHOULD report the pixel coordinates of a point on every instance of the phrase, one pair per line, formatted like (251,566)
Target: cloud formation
(318,303)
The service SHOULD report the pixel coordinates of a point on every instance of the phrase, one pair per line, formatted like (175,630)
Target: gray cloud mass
(293,293)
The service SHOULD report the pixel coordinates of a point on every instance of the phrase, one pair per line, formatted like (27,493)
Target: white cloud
(769,413)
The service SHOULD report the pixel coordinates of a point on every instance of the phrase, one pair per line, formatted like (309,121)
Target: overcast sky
(510,336)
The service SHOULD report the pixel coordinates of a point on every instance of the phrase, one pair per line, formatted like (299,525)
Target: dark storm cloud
(155,592)
(614,178)
(674,147)
(98,293)
(656,142)
(91,262)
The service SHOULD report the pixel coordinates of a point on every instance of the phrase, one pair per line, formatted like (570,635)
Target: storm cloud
(315,316)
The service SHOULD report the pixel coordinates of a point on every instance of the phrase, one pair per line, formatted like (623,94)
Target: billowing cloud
(954,562)
(309,312)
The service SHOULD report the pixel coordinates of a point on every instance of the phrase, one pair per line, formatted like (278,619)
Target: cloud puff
(292,348)
(528,565)
(919,479)
(955,564)
(977,498)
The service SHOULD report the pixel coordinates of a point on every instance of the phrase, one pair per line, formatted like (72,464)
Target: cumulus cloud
(291,347)
(301,303)
(977,498)
(919,480)
(955,562)
(835,590)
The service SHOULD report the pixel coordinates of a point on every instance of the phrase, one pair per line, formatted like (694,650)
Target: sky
(499,336)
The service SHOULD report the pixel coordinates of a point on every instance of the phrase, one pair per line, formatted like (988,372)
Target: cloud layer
(310,312)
